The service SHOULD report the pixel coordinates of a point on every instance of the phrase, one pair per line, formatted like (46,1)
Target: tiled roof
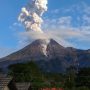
(52,89)
(22,86)
(4,81)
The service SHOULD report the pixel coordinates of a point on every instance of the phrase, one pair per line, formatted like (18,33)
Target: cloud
(68,29)
(86,20)
(68,26)
(64,27)
(63,31)
(56,11)
(31,15)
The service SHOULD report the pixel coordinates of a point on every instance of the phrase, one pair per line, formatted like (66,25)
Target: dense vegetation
(29,72)
(0,70)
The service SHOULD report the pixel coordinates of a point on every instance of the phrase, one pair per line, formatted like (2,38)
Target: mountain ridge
(49,55)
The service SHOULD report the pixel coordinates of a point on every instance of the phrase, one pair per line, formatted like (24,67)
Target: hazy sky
(67,20)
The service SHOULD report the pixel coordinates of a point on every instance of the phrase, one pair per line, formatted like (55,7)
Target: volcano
(49,55)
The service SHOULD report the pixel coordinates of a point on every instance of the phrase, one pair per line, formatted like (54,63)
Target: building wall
(6,88)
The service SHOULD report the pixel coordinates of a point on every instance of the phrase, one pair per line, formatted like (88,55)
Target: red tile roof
(52,89)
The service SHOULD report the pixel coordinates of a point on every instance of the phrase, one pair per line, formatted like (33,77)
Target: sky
(67,21)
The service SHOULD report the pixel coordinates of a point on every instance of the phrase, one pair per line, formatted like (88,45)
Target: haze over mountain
(49,55)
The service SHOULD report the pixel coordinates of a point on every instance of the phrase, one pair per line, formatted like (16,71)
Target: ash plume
(31,15)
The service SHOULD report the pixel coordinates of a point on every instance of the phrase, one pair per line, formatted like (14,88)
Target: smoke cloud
(31,15)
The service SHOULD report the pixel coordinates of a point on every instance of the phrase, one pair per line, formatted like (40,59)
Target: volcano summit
(49,55)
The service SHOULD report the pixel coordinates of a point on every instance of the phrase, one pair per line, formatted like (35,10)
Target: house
(7,83)
(4,82)
(23,86)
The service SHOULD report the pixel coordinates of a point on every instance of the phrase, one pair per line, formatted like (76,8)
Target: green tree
(70,78)
(83,77)
(25,72)
(1,71)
